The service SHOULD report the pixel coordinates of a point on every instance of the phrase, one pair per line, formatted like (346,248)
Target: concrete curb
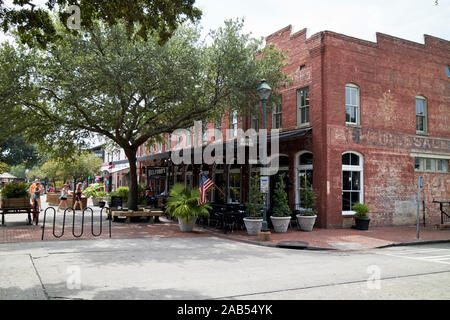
(263,244)
(413,243)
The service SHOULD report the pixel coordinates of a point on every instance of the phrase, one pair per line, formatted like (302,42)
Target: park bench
(149,213)
(17,206)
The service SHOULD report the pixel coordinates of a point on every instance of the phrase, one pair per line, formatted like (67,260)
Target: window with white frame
(276,116)
(159,147)
(234,123)
(352,181)
(304,175)
(352,104)
(303,106)
(421,114)
(431,165)
(255,118)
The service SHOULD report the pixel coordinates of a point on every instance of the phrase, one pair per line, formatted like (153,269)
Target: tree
(35,23)
(18,171)
(131,91)
(255,202)
(280,200)
(3,167)
(34,173)
(15,151)
(77,168)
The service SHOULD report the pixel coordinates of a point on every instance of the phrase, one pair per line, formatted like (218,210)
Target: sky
(407,19)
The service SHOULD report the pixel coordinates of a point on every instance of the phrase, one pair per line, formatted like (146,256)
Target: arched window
(352,181)
(304,174)
(352,104)
(421,114)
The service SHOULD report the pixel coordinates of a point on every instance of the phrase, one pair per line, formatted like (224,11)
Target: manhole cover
(293,244)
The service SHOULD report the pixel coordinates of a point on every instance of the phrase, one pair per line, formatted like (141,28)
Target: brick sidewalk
(350,239)
(341,239)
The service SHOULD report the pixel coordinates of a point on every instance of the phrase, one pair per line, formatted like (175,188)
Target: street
(211,268)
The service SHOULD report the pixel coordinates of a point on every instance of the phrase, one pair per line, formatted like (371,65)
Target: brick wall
(390,74)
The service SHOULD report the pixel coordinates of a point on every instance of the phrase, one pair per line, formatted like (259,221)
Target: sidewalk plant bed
(95,191)
(362,220)
(307,217)
(15,195)
(281,216)
(183,203)
(253,214)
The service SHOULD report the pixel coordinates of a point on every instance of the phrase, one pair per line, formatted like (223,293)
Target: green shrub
(255,202)
(15,190)
(280,200)
(361,210)
(308,199)
(93,190)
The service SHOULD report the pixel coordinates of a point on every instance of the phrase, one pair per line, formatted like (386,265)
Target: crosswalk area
(430,254)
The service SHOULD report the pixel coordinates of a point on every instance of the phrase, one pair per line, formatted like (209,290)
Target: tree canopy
(15,151)
(129,90)
(35,24)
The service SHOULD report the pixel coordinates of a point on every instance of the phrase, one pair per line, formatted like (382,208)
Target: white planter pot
(253,226)
(186,226)
(280,224)
(306,223)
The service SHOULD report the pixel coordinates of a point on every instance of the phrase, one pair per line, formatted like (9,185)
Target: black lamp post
(264,91)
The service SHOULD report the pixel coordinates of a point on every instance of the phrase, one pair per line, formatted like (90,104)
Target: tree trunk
(133,184)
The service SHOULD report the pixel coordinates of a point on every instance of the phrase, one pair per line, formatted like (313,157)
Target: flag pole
(219,189)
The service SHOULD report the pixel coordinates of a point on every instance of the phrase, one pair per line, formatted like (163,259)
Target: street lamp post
(264,91)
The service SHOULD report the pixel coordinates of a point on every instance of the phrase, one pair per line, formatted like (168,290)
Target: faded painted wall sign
(379,138)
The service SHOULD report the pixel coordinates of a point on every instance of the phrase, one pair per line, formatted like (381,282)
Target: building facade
(361,122)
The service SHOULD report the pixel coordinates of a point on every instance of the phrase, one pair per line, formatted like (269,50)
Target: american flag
(205,185)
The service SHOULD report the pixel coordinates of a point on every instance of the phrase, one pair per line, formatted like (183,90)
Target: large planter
(280,224)
(186,226)
(306,223)
(253,226)
(362,223)
(53,199)
(15,203)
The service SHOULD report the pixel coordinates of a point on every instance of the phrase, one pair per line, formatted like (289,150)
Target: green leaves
(255,203)
(183,203)
(280,200)
(36,26)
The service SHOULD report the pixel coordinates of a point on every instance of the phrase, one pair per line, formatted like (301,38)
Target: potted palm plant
(362,220)
(307,217)
(183,203)
(281,213)
(253,216)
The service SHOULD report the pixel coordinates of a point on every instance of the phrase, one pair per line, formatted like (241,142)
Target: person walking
(78,193)
(63,197)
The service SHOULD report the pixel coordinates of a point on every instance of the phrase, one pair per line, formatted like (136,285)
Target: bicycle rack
(73,223)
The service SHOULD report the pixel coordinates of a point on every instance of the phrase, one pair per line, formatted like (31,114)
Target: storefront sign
(264,184)
(156,172)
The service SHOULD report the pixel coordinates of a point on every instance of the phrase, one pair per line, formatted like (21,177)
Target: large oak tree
(129,90)
(35,23)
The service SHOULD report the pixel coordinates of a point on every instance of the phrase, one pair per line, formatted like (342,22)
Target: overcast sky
(407,19)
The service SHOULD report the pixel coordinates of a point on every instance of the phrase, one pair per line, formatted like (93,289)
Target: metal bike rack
(73,223)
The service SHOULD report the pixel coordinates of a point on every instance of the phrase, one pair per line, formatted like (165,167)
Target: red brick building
(388,104)
(361,121)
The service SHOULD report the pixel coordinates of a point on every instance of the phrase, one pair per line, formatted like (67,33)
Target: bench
(18,210)
(150,214)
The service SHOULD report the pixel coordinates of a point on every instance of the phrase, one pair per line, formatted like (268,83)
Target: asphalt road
(211,268)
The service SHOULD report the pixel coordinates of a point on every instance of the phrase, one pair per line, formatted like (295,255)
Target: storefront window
(352,181)
(235,186)
(304,176)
